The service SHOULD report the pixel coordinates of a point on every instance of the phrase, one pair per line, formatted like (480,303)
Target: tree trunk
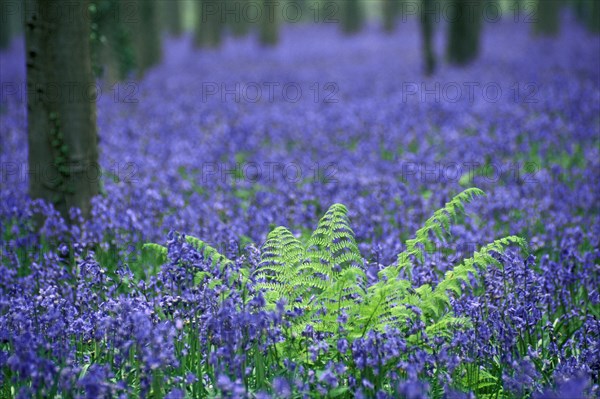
(237,20)
(579,9)
(11,21)
(548,17)
(171,16)
(209,24)
(428,17)
(112,49)
(121,33)
(16,15)
(269,35)
(148,41)
(464,25)
(61,107)
(5,31)
(390,13)
(592,11)
(110,67)
(351,16)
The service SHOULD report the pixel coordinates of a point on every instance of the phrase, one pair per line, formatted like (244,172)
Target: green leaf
(339,391)
(200,277)
(155,253)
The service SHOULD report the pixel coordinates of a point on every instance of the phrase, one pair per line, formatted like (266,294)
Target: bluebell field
(226,145)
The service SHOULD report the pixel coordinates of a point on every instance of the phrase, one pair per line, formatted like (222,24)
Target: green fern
(208,252)
(479,261)
(332,271)
(282,254)
(439,224)
(471,377)
(325,279)
(332,246)
(153,256)
(157,254)
(323,276)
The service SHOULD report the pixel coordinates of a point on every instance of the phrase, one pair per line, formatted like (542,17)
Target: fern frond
(480,260)
(325,278)
(154,251)
(333,244)
(473,377)
(439,223)
(208,252)
(281,249)
(330,250)
(278,272)
(446,326)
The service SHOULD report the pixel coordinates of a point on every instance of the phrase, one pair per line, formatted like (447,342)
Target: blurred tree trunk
(121,34)
(464,26)
(269,30)
(428,18)
(578,9)
(235,19)
(592,15)
(61,107)
(209,23)
(352,15)
(588,13)
(548,17)
(170,16)
(113,48)
(5,31)
(147,36)
(11,21)
(17,20)
(110,67)
(391,8)
(104,46)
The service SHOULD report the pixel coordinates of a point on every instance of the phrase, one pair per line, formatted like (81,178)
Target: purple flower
(175,394)
(329,378)
(95,382)
(342,345)
(281,387)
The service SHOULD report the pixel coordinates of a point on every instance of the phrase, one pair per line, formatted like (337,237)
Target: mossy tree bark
(61,107)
